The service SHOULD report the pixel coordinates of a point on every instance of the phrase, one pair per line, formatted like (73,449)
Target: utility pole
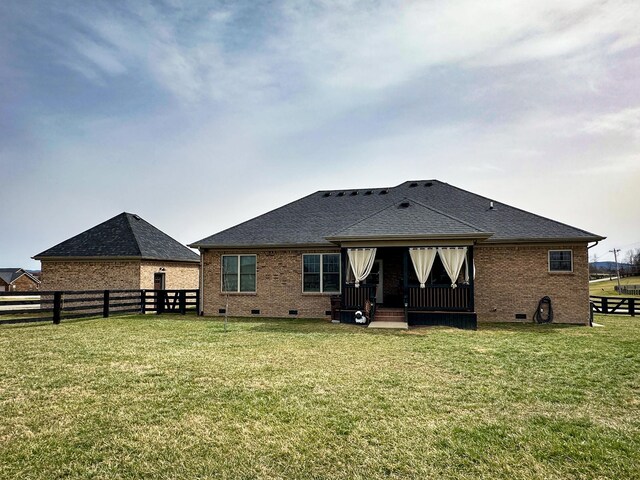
(615,256)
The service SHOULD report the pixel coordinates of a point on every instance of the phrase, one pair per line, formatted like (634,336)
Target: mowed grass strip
(606,288)
(177,397)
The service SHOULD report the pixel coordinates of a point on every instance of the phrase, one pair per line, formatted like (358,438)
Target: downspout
(588,277)
(201,286)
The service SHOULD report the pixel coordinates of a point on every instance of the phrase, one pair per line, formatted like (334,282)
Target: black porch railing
(440,298)
(355,298)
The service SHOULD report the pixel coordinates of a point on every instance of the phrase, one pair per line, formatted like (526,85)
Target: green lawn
(606,288)
(175,397)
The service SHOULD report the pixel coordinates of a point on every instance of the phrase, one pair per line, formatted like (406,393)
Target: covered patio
(410,262)
(429,285)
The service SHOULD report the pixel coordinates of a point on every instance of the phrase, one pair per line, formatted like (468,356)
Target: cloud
(200,52)
(625,121)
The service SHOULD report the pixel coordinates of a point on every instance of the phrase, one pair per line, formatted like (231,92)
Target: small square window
(238,273)
(560,260)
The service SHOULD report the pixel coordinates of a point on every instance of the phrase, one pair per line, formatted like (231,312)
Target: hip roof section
(123,236)
(435,208)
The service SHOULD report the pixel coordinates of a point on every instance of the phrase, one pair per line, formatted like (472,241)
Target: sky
(200,115)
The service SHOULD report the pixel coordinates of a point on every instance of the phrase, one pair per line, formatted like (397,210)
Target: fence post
(143,301)
(160,294)
(183,302)
(198,306)
(632,306)
(105,304)
(591,305)
(605,306)
(57,307)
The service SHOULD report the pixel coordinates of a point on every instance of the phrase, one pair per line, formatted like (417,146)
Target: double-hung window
(321,273)
(239,273)
(560,261)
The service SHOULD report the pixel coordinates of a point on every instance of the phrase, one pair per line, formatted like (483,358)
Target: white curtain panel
(422,259)
(361,261)
(452,260)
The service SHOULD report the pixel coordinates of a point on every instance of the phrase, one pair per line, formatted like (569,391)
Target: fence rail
(59,305)
(615,305)
(628,289)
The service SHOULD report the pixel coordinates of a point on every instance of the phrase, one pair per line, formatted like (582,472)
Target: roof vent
(354,193)
(383,192)
(491,205)
(428,184)
(341,194)
(136,216)
(368,192)
(327,194)
(414,184)
(404,205)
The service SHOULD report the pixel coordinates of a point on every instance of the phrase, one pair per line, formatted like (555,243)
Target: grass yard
(169,397)
(606,288)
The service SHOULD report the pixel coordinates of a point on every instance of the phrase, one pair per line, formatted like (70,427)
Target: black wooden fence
(21,307)
(615,305)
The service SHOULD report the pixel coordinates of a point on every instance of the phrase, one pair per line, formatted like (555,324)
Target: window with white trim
(560,260)
(321,273)
(238,273)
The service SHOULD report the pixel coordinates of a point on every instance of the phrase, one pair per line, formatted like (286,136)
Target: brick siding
(512,279)
(278,286)
(116,275)
(24,284)
(178,275)
(90,275)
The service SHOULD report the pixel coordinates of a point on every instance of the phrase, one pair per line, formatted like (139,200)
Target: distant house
(424,251)
(125,252)
(18,280)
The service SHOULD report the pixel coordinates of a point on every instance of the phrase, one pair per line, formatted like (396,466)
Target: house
(18,280)
(424,250)
(125,252)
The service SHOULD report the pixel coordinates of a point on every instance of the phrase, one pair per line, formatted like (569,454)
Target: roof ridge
(393,204)
(521,210)
(446,214)
(133,233)
(366,217)
(195,244)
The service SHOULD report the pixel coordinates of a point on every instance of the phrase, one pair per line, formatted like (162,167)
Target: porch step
(389,315)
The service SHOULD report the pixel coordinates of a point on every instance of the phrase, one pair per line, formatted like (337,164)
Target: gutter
(259,245)
(95,258)
(547,240)
(201,285)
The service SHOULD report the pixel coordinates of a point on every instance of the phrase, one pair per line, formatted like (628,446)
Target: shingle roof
(311,219)
(125,235)
(9,275)
(408,218)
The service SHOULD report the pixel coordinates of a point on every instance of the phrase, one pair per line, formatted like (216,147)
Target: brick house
(18,280)
(125,252)
(424,250)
